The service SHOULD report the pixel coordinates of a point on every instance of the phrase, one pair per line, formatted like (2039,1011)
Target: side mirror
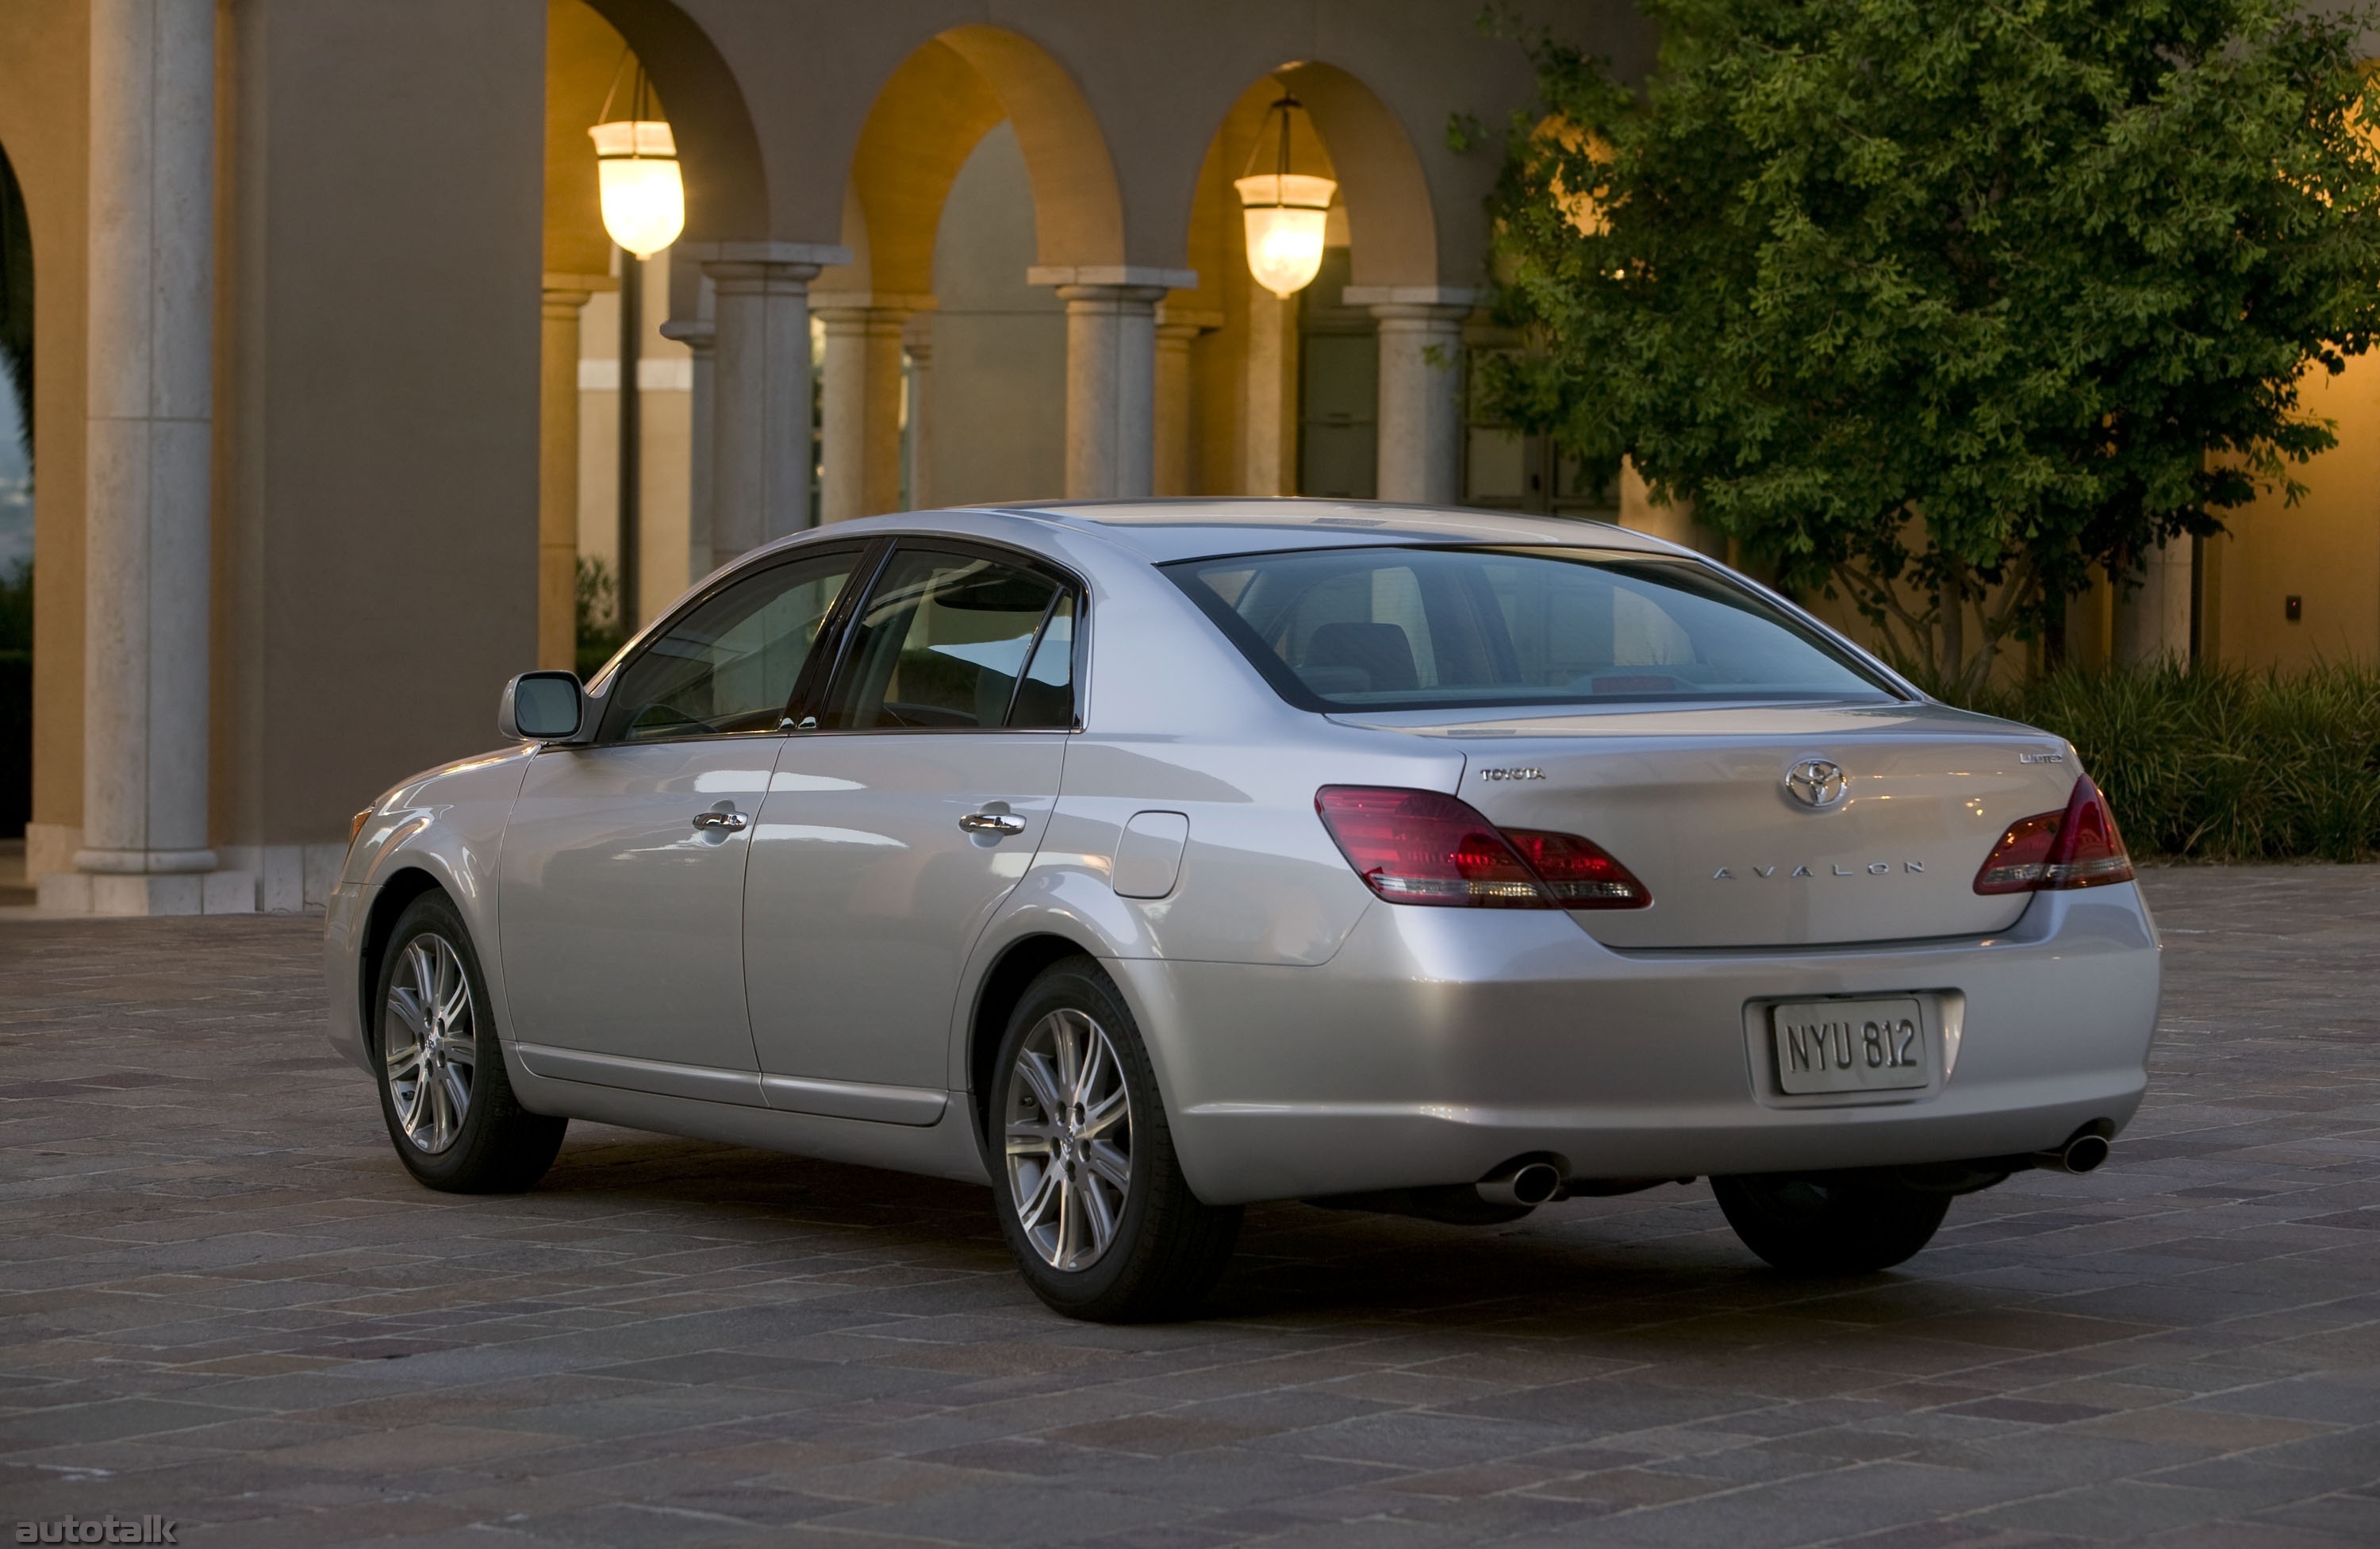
(539,707)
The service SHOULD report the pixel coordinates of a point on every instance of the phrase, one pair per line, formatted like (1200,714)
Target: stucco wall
(381,530)
(45,115)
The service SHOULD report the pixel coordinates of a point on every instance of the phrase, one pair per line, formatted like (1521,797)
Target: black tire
(1166,1249)
(1829,1224)
(498,1147)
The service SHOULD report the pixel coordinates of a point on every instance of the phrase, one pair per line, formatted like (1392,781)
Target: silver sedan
(1149,859)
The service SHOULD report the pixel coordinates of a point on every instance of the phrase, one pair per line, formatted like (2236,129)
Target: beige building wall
(2325,550)
(378,536)
(44,125)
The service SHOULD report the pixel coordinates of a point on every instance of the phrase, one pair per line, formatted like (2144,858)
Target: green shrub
(2220,763)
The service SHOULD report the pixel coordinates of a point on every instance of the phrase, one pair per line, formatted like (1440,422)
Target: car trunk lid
(1698,805)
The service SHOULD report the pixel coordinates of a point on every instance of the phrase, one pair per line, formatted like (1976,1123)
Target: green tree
(1947,304)
(16,300)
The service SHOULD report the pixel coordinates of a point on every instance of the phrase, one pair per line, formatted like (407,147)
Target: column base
(150,893)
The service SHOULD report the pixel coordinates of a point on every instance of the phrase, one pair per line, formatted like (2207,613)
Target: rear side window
(952,641)
(1428,629)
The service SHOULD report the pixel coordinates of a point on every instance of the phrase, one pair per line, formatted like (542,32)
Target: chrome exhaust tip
(1530,1184)
(2085,1153)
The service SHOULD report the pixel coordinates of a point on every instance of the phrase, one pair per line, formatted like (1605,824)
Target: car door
(622,879)
(891,833)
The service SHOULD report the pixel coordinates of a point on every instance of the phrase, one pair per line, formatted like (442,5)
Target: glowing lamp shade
(1286,212)
(644,198)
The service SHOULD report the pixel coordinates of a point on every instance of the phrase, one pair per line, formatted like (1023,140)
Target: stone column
(1421,389)
(698,334)
(1110,374)
(2153,620)
(557,465)
(860,428)
(151,361)
(918,340)
(1176,330)
(761,399)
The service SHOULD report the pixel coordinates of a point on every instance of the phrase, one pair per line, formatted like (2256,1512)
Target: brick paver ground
(222,1302)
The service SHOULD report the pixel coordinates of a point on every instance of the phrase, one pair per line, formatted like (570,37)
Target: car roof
(1160,530)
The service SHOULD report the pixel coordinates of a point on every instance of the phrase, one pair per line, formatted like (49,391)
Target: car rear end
(1697,905)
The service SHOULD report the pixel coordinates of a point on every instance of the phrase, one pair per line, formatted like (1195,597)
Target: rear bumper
(1439,1044)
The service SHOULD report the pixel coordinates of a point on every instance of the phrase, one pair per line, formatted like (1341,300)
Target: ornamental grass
(2221,763)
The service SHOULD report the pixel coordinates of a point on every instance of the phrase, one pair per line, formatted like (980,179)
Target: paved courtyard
(220,1301)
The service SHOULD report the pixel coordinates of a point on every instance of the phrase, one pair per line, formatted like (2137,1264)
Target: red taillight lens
(1579,872)
(1419,846)
(2077,848)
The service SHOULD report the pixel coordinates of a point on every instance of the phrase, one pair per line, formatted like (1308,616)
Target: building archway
(1331,392)
(976,100)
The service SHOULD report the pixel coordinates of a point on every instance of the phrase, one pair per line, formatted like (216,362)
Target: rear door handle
(729,822)
(992,823)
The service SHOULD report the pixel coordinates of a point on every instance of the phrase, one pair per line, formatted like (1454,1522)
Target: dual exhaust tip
(1529,1183)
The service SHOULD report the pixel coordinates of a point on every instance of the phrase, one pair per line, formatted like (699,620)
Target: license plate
(1850,1045)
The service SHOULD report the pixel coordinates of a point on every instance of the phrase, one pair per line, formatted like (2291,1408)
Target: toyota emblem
(1817,784)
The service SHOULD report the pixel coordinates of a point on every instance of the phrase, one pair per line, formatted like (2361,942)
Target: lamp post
(1286,214)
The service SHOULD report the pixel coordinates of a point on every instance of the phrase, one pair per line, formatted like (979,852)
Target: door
(622,879)
(889,834)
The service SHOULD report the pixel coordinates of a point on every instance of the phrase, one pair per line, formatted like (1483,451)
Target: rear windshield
(1430,628)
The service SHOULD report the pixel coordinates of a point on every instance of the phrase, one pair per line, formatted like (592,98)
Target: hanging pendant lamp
(636,167)
(1286,214)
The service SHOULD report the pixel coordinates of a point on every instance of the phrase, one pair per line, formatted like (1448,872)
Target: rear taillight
(2077,848)
(1419,846)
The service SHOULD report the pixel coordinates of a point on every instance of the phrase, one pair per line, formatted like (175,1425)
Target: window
(1423,628)
(731,664)
(952,640)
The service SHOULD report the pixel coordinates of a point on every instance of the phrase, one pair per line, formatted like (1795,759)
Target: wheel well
(1003,988)
(400,889)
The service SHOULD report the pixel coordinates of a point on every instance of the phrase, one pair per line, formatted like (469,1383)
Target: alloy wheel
(1069,1137)
(432,1043)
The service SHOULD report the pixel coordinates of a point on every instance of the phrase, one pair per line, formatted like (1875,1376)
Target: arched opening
(15,534)
(981,182)
(1284,397)
(620,534)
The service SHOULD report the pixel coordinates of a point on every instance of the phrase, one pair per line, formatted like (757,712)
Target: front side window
(730,665)
(949,640)
(1426,629)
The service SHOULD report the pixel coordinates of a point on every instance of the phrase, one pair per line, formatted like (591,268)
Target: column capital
(747,277)
(1459,298)
(1132,274)
(1139,298)
(902,304)
(698,333)
(576,288)
(1184,323)
(819,255)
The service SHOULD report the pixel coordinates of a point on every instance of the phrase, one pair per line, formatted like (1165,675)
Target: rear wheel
(1089,1195)
(444,1093)
(1829,1224)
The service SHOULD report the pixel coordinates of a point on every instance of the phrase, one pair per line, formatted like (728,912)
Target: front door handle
(720,822)
(992,823)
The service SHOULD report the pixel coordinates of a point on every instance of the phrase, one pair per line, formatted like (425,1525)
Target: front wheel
(1830,1223)
(444,1093)
(1089,1194)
